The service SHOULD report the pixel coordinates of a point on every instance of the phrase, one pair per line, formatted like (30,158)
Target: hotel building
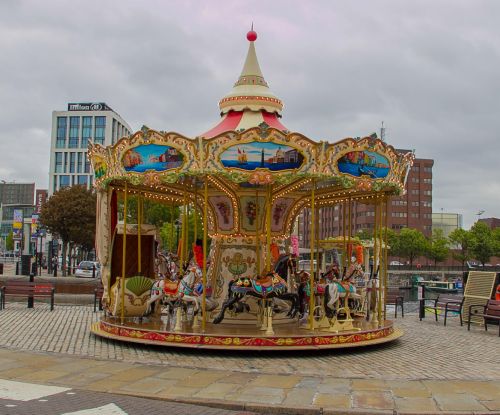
(71,132)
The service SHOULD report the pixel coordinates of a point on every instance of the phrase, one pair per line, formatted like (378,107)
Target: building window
(58,168)
(87,164)
(416,169)
(426,204)
(100,128)
(79,163)
(61,132)
(74,132)
(54,186)
(427,215)
(114,132)
(415,204)
(398,226)
(72,162)
(415,192)
(415,180)
(428,181)
(427,192)
(83,180)
(86,131)
(64,181)
(415,215)
(398,214)
(399,203)
(428,169)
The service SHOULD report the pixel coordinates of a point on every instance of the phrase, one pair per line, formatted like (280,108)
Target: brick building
(411,210)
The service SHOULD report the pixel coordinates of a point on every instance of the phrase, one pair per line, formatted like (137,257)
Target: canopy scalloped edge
(200,157)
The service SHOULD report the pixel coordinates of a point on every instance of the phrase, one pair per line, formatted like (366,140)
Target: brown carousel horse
(264,288)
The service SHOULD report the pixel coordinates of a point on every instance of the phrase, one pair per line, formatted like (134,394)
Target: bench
(490,311)
(447,303)
(27,289)
(394,297)
(98,292)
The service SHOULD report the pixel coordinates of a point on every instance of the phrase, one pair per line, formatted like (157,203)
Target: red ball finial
(252,36)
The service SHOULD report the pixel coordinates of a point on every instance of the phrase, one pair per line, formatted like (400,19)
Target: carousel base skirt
(286,337)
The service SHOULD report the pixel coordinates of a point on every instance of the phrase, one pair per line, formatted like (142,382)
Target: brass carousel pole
(124,252)
(268,230)
(181,262)
(379,234)
(257,233)
(374,295)
(385,252)
(349,231)
(344,240)
(311,277)
(195,216)
(172,224)
(205,241)
(139,229)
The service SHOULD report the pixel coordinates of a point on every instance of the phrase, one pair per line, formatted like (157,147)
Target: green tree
(483,244)
(365,234)
(9,242)
(438,249)
(462,241)
(168,232)
(410,244)
(495,233)
(70,214)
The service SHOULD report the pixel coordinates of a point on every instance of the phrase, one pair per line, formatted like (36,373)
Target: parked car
(86,269)
(395,263)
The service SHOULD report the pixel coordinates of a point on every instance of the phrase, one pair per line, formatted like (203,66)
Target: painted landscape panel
(152,157)
(364,163)
(255,155)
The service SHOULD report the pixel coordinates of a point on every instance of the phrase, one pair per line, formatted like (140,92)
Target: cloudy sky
(430,69)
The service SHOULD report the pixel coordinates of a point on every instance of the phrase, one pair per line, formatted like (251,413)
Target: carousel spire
(251,91)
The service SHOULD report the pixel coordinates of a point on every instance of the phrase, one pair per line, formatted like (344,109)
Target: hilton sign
(88,106)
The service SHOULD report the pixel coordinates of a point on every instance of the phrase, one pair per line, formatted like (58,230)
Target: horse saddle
(170,288)
(267,284)
(345,287)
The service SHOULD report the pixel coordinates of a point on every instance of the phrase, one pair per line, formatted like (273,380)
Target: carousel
(233,282)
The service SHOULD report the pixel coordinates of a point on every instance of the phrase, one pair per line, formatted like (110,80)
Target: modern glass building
(447,222)
(71,132)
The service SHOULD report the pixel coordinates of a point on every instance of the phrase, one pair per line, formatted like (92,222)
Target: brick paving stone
(372,399)
(428,360)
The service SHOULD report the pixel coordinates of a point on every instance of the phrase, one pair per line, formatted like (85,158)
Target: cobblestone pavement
(95,403)
(430,369)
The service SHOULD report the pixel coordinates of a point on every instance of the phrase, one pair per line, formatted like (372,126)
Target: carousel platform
(245,337)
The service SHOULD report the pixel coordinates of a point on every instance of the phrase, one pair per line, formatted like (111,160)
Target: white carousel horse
(173,291)
(337,290)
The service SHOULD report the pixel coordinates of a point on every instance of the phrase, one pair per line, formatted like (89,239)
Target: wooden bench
(28,289)
(98,292)
(447,303)
(490,311)
(394,297)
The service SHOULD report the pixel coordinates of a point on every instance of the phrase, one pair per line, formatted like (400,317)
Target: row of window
(66,180)
(71,162)
(427,168)
(84,129)
(417,192)
(417,180)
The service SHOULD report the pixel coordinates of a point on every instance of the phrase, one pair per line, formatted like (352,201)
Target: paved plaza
(431,369)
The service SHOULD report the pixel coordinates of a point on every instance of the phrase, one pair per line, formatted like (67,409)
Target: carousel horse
(336,290)
(174,292)
(266,287)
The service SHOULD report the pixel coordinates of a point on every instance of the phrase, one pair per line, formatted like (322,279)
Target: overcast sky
(429,69)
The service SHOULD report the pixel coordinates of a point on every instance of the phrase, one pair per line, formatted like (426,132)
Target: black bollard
(17,268)
(93,270)
(30,297)
(421,298)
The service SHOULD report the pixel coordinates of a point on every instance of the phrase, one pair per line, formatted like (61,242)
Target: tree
(438,247)
(168,232)
(70,214)
(462,240)
(410,244)
(495,233)
(483,244)
(9,242)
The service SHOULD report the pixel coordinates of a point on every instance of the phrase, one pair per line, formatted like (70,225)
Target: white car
(86,269)
(395,263)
